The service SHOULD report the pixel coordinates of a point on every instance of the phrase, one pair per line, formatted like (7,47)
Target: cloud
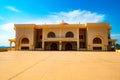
(71,17)
(6,32)
(116,36)
(11,8)
(4,39)
(74,16)
(81,16)
(9,27)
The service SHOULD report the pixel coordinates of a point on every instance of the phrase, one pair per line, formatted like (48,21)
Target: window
(97,41)
(51,35)
(81,37)
(25,41)
(82,45)
(69,34)
(40,36)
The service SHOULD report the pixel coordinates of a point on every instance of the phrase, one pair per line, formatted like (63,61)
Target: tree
(117,46)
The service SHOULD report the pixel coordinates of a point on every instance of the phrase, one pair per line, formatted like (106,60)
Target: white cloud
(116,36)
(9,27)
(74,16)
(4,39)
(11,8)
(6,32)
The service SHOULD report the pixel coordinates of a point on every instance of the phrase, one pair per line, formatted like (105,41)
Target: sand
(59,65)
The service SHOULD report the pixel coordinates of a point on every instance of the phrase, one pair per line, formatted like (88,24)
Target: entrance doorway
(54,46)
(68,46)
(97,48)
(24,48)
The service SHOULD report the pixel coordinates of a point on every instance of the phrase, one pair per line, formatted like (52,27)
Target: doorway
(68,46)
(54,46)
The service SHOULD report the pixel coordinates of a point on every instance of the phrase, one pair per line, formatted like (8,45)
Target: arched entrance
(54,46)
(68,46)
(97,41)
(25,44)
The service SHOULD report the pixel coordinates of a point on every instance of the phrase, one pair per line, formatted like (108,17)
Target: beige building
(63,36)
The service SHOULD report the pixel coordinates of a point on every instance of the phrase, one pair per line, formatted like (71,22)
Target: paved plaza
(59,65)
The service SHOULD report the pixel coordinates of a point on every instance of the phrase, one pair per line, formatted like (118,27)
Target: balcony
(82,40)
(24,44)
(60,39)
(112,40)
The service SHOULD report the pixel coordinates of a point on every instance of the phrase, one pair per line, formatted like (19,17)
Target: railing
(112,40)
(62,39)
(25,44)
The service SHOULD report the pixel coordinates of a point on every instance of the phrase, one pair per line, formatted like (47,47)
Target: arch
(69,34)
(51,35)
(68,46)
(97,40)
(25,41)
(12,43)
(54,46)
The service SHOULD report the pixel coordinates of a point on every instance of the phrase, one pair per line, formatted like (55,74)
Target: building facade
(63,36)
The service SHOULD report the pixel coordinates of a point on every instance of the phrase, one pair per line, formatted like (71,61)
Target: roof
(63,25)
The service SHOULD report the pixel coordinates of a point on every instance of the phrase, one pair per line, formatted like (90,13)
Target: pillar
(78,39)
(10,45)
(60,42)
(43,39)
(60,45)
(77,45)
(89,47)
(60,33)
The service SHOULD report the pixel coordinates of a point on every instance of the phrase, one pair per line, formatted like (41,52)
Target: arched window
(69,34)
(25,41)
(51,35)
(97,41)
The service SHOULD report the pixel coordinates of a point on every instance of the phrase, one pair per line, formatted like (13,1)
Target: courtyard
(59,65)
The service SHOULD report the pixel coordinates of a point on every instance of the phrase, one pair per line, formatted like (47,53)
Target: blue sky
(54,11)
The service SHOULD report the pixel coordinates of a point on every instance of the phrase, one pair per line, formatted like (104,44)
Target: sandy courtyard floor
(56,65)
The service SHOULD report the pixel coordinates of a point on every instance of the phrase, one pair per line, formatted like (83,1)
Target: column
(60,41)
(78,39)
(15,45)
(43,39)
(60,45)
(60,34)
(10,45)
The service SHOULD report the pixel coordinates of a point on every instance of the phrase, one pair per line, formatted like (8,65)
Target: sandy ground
(59,65)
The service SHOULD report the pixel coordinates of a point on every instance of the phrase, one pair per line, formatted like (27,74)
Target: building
(63,36)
